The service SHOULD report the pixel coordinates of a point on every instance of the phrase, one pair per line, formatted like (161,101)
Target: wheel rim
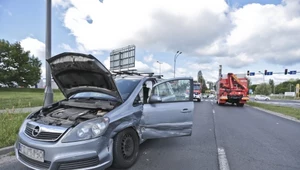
(127,146)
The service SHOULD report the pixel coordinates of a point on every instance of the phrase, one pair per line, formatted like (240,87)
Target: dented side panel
(167,120)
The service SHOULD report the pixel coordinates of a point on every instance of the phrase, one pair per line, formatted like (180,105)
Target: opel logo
(35,131)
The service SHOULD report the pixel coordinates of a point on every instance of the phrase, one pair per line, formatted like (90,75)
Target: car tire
(125,149)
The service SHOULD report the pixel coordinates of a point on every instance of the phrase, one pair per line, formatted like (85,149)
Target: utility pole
(159,67)
(175,58)
(220,71)
(48,91)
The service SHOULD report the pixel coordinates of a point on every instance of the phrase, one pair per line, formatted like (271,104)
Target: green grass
(22,97)
(279,109)
(285,98)
(9,127)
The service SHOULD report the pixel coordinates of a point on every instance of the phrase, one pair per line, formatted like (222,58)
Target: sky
(240,35)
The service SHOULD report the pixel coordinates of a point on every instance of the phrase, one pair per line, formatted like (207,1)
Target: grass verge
(285,98)
(20,98)
(9,127)
(294,112)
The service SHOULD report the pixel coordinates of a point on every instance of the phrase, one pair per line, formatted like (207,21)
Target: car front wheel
(125,149)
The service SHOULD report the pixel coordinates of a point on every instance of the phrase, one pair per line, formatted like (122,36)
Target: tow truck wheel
(125,149)
(240,104)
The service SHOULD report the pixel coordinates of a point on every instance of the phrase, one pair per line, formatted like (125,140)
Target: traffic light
(248,73)
(285,71)
(266,71)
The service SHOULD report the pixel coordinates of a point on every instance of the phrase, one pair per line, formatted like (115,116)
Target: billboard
(122,58)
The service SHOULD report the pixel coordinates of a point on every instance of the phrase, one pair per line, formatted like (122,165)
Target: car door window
(144,93)
(173,91)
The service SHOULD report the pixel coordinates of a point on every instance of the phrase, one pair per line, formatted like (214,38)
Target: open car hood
(76,72)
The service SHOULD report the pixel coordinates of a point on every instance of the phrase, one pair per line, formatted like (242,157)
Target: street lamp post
(175,58)
(263,76)
(48,91)
(159,67)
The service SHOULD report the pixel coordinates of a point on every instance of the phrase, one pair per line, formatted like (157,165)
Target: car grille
(79,164)
(46,133)
(43,135)
(44,165)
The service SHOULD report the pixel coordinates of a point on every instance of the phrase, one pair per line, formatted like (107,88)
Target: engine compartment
(67,114)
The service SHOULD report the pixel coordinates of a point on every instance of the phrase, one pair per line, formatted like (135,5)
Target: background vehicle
(197,91)
(261,97)
(232,89)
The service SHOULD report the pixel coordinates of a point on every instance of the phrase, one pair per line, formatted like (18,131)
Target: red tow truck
(232,89)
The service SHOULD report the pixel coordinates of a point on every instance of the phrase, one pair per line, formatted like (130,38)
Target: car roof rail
(158,76)
(131,72)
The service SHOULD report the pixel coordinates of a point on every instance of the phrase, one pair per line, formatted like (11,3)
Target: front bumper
(197,96)
(90,154)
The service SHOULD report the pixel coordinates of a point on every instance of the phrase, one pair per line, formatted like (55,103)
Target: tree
(17,67)
(285,86)
(272,84)
(203,83)
(264,89)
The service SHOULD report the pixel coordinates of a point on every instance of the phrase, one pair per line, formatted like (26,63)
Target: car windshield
(125,86)
(196,87)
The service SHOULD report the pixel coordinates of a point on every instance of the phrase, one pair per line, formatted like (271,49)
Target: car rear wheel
(125,149)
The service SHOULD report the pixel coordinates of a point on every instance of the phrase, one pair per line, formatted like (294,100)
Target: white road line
(223,163)
(214,111)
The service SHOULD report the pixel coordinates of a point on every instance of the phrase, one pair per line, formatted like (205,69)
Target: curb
(6,150)
(276,114)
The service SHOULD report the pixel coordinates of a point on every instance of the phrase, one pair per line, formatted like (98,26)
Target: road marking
(214,111)
(223,163)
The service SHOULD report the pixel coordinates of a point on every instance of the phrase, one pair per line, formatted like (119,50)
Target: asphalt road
(251,139)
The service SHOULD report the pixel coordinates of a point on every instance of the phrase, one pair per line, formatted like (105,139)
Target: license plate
(32,153)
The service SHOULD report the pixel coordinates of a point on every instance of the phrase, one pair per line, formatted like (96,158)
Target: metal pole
(159,68)
(175,58)
(48,90)
(174,64)
(220,71)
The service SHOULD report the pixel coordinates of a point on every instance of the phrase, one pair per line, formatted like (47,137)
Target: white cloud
(66,47)
(270,32)
(155,23)
(198,28)
(62,3)
(148,58)
(36,48)
(79,49)
(209,30)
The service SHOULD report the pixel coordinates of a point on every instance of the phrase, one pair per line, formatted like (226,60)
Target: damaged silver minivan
(104,118)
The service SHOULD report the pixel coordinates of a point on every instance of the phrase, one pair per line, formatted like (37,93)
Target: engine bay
(67,114)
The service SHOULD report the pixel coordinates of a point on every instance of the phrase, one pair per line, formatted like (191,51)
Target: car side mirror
(155,99)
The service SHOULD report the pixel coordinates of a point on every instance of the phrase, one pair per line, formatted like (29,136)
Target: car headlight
(87,130)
